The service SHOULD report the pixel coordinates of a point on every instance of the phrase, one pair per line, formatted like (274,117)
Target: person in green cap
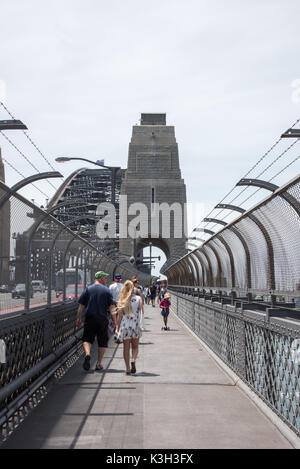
(97,301)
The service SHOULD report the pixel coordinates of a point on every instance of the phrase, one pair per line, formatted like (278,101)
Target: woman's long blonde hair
(125,299)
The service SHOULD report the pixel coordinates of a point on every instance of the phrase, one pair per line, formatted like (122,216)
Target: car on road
(19,291)
(297,302)
(38,286)
(4,289)
(70,293)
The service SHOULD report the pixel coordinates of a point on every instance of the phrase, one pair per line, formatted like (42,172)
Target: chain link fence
(258,252)
(42,261)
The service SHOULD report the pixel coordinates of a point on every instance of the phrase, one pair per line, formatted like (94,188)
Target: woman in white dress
(129,311)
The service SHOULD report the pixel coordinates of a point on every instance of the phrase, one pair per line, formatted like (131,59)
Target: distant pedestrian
(138,290)
(97,301)
(165,310)
(115,289)
(146,294)
(163,291)
(129,310)
(158,288)
(153,290)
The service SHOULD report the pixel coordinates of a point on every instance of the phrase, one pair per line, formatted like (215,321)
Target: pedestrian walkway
(179,398)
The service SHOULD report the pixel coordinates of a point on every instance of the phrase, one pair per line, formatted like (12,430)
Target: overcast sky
(79,73)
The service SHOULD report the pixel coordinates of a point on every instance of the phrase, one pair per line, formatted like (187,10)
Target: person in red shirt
(165,310)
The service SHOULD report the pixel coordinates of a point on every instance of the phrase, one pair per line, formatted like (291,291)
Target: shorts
(165,313)
(96,327)
(153,297)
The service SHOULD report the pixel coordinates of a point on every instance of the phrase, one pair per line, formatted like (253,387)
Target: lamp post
(113,169)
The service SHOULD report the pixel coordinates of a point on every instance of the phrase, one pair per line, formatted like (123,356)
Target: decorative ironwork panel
(24,346)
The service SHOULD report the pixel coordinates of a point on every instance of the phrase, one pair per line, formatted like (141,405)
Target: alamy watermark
(139,220)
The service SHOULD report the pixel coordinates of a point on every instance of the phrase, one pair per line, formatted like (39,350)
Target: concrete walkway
(179,398)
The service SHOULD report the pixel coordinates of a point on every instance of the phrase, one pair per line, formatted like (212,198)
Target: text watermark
(140,220)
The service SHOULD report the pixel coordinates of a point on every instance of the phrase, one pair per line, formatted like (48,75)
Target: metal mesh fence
(42,261)
(205,273)
(284,234)
(258,253)
(212,260)
(262,254)
(224,259)
(239,256)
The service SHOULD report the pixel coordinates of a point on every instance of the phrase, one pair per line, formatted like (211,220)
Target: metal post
(86,259)
(193,314)
(269,361)
(233,297)
(64,267)
(150,244)
(273,301)
(28,279)
(241,347)
(76,270)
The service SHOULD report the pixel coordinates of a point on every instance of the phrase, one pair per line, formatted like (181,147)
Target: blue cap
(118,276)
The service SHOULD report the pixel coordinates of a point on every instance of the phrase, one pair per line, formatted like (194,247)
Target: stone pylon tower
(153,177)
(4,232)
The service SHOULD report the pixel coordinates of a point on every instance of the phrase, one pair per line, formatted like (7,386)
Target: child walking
(165,310)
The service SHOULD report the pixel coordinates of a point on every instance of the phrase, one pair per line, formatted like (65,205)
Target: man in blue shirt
(97,301)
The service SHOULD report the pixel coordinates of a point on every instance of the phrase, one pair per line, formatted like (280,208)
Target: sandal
(98,367)
(128,372)
(87,363)
(133,368)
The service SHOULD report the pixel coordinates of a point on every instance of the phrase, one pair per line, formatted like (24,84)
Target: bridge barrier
(262,349)
(44,262)
(257,252)
(34,343)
